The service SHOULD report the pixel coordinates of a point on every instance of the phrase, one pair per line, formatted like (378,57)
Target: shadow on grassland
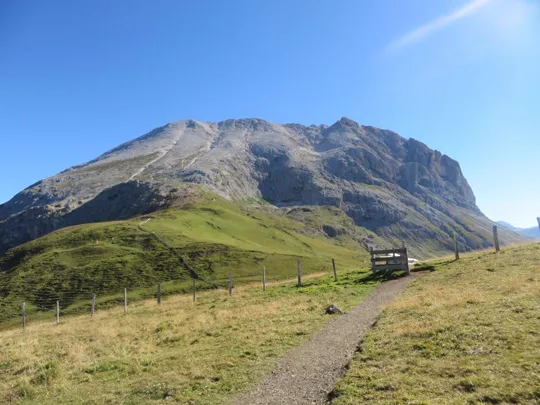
(387,275)
(381,276)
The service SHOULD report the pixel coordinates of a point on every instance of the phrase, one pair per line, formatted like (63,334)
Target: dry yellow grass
(468,333)
(191,353)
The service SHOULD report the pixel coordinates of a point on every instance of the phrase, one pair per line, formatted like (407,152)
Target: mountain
(398,188)
(530,233)
(508,226)
(533,232)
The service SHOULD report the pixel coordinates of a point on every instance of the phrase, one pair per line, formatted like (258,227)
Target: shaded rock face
(119,202)
(398,188)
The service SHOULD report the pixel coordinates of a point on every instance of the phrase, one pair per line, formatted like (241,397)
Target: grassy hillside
(212,236)
(179,352)
(468,333)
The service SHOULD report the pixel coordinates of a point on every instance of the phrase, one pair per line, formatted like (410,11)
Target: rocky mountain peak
(347,122)
(388,184)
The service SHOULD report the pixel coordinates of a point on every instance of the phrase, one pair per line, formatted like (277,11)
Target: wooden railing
(389,260)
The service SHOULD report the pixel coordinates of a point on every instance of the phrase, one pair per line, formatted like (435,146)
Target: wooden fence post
(405,259)
(23,315)
(299,273)
(538,219)
(230,284)
(264,278)
(93,306)
(194,291)
(456,250)
(334,266)
(57,312)
(125,300)
(159,293)
(496,239)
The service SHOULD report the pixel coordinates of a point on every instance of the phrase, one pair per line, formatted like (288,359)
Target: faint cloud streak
(424,31)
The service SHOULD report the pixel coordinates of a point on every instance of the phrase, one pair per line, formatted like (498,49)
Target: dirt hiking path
(307,374)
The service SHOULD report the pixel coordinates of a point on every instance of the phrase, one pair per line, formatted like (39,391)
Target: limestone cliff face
(399,188)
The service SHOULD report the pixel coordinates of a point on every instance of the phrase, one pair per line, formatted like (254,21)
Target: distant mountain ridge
(531,233)
(398,188)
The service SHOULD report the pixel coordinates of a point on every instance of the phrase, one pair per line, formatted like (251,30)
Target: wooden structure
(456,249)
(390,260)
(496,239)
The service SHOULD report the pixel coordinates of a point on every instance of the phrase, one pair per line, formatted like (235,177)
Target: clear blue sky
(79,77)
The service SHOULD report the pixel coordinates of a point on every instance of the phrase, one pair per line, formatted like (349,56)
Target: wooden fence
(390,260)
(159,291)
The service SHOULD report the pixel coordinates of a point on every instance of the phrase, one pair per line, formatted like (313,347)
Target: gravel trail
(307,374)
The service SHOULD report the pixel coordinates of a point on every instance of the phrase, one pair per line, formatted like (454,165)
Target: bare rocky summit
(398,188)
